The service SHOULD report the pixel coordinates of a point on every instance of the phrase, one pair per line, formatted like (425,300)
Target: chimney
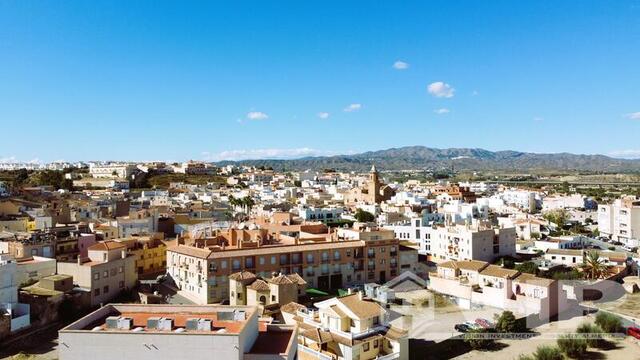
(79,260)
(360,295)
(124,253)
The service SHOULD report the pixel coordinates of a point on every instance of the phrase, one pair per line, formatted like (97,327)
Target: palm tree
(593,267)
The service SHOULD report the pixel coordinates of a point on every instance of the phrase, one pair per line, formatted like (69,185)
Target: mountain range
(422,157)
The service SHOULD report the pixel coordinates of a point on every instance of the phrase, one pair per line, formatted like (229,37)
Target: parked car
(484,323)
(463,328)
(634,331)
(472,325)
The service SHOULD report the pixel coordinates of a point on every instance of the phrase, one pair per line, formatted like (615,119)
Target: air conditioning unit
(125,323)
(152,323)
(204,325)
(192,324)
(112,322)
(165,324)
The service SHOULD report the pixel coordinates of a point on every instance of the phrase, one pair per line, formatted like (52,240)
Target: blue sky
(156,80)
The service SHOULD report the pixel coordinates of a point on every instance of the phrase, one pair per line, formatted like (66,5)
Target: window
(121,284)
(261,260)
(105,289)
(375,343)
(223,264)
(365,347)
(336,255)
(96,292)
(113,272)
(273,260)
(96,276)
(310,257)
(273,298)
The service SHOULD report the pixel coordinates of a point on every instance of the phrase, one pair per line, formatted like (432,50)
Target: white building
(574,201)
(347,328)
(17,315)
(523,199)
(416,230)
(189,332)
(621,220)
(325,214)
(470,242)
(30,270)
(111,170)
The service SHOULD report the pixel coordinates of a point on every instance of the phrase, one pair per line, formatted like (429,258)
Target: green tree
(608,322)
(571,346)
(593,267)
(558,217)
(527,267)
(507,323)
(545,352)
(590,329)
(364,216)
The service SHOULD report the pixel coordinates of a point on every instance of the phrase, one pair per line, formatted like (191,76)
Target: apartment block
(469,242)
(325,261)
(621,220)
(106,272)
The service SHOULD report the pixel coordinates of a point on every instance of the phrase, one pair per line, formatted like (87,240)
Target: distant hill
(421,157)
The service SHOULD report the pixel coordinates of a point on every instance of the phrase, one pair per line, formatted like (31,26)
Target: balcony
(393,254)
(371,255)
(324,261)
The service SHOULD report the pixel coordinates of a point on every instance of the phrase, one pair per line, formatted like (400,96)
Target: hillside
(421,157)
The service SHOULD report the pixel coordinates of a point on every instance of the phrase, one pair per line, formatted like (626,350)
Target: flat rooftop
(273,342)
(223,319)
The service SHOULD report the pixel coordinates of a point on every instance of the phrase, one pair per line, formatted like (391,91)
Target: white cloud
(442,111)
(441,89)
(257,115)
(323,115)
(252,154)
(474,93)
(400,65)
(633,116)
(538,118)
(353,107)
(626,154)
